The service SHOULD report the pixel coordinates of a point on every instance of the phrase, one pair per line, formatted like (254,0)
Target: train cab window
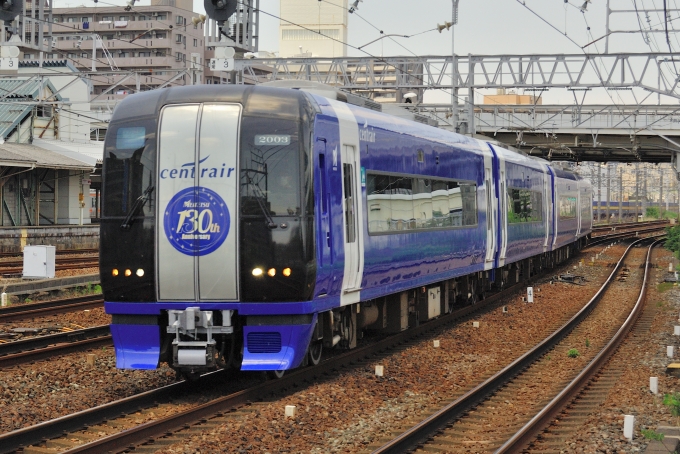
(130,165)
(399,203)
(524,205)
(270,167)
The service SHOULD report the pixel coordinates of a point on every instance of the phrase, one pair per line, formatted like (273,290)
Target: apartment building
(313,29)
(159,41)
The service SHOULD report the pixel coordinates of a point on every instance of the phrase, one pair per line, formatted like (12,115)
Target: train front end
(207,253)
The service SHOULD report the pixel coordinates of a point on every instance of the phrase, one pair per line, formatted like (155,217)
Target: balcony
(139,63)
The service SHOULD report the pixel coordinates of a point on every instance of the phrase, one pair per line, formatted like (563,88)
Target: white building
(321,32)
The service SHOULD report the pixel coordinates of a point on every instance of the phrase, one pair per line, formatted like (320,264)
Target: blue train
(252,227)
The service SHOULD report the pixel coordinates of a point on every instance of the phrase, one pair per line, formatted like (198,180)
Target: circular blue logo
(196,221)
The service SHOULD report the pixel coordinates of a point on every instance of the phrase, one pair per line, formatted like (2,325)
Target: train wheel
(315,351)
(276,374)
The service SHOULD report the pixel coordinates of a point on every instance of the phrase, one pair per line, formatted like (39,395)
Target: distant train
(252,226)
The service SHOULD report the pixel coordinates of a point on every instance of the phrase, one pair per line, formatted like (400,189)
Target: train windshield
(130,165)
(270,167)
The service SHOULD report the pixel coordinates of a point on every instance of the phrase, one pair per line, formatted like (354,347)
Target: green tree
(653,212)
(673,239)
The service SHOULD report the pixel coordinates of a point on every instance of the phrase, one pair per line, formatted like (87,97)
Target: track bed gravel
(354,409)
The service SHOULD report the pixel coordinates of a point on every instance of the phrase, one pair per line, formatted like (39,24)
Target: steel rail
(415,436)
(65,265)
(12,441)
(57,252)
(528,433)
(626,225)
(56,350)
(59,306)
(616,236)
(34,344)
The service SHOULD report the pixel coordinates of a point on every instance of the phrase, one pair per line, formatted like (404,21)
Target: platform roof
(28,155)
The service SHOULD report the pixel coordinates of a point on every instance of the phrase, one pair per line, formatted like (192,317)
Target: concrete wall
(13,239)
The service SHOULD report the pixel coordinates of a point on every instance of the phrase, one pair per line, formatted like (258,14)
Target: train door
(578,211)
(490,214)
(503,217)
(196,233)
(351,191)
(547,211)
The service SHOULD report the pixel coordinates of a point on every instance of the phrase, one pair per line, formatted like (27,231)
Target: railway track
(46,347)
(494,416)
(596,230)
(66,263)
(59,306)
(107,418)
(57,252)
(84,430)
(603,239)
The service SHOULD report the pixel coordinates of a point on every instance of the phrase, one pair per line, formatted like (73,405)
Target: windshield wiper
(259,197)
(139,203)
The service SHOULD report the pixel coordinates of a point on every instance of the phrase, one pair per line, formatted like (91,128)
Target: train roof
(255,99)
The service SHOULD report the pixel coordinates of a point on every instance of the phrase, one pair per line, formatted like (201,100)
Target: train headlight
(271,272)
(128,273)
(286,272)
(114,272)
(257,272)
(140,272)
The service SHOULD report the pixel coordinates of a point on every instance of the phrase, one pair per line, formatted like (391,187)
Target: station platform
(13,239)
(27,287)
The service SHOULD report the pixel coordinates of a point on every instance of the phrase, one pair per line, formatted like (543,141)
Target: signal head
(220,10)
(10,9)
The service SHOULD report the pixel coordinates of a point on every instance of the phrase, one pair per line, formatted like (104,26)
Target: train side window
(567,207)
(348,174)
(402,203)
(524,205)
(322,182)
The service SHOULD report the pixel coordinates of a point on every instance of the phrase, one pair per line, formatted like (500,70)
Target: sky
(486,27)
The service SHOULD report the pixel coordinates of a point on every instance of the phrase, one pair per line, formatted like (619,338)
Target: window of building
(142,18)
(161,35)
(145,54)
(56,19)
(71,19)
(85,19)
(43,111)
(195,42)
(84,55)
(123,54)
(179,20)
(398,203)
(178,56)
(178,38)
(70,55)
(161,17)
(309,35)
(524,206)
(28,56)
(123,18)
(107,36)
(107,18)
